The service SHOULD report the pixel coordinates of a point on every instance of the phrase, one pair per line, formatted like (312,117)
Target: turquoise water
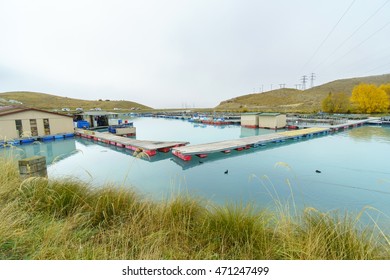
(354,167)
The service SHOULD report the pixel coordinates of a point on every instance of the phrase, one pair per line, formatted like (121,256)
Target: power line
(330,33)
(304,79)
(312,78)
(379,67)
(353,33)
(362,42)
(381,54)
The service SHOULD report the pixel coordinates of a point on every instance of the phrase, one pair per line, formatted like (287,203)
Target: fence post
(33,167)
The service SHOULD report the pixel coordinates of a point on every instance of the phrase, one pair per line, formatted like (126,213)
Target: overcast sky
(194,53)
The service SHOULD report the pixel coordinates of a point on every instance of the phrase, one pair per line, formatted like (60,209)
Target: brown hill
(51,102)
(293,100)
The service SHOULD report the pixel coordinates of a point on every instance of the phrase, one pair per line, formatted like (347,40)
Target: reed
(330,236)
(68,219)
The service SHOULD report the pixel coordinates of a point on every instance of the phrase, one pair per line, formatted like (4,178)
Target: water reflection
(53,151)
(369,133)
(246,132)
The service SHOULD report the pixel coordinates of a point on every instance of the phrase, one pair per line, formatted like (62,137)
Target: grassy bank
(67,219)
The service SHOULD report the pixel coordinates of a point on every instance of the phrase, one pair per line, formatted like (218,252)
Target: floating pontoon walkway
(336,127)
(148,147)
(351,124)
(202,150)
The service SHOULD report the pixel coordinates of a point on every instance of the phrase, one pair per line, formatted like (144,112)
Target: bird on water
(318,171)
(227,171)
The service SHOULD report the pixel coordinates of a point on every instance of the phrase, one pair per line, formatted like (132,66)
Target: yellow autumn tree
(327,104)
(369,98)
(386,88)
(336,103)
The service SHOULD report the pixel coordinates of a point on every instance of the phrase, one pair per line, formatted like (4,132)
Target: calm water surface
(354,167)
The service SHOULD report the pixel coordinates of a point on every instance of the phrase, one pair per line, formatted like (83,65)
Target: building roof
(97,113)
(260,114)
(249,114)
(9,110)
(269,114)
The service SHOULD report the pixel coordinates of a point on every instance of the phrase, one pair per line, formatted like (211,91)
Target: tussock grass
(331,236)
(9,179)
(68,219)
(238,231)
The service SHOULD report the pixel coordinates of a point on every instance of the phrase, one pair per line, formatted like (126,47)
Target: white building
(18,122)
(250,120)
(272,120)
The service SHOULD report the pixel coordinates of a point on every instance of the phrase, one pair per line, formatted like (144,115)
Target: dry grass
(48,101)
(67,219)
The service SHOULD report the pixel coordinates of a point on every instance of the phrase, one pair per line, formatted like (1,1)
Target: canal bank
(352,162)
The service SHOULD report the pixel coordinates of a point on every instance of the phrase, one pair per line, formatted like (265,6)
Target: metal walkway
(226,146)
(148,147)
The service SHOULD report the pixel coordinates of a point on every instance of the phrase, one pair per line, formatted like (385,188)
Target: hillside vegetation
(293,100)
(48,101)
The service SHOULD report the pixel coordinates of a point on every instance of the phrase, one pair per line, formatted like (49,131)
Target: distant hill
(293,100)
(51,102)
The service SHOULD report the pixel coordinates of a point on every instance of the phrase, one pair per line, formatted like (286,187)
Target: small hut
(250,120)
(272,120)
